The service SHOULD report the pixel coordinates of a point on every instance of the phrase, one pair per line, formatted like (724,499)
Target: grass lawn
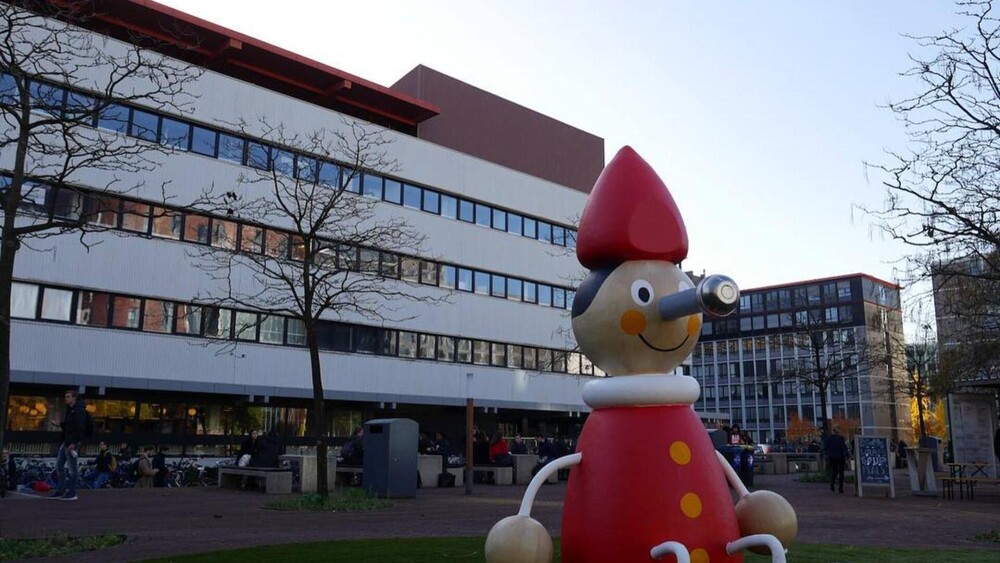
(16,550)
(455,550)
(351,500)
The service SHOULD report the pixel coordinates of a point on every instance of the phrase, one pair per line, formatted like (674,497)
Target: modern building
(745,362)
(124,320)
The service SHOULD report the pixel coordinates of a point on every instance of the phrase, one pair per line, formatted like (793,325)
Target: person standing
(837,453)
(73,432)
(145,469)
(159,464)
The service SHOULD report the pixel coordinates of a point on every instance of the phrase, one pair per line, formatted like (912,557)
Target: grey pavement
(165,522)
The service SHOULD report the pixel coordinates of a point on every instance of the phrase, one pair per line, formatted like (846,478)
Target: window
(544,359)
(101,210)
(558,297)
(188,319)
(464,279)
(482,283)
(371,186)
(570,238)
(570,297)
(446,349)
(217,322)
(446,278)
(135,216)
(498,286)
(46,98)
(530,292)
(329,174)
(387,342)
(513,289)
(350,180)
(530,228)
(203,141)
(432,202)
(283,161)
(846,314)
(428,272)
(79,107)
(196,228)
(125,313)
(558,235)
(831,315)
(258,155)
(844,291)
(813,294)
(499,220)
(463,348)
(296,332)
(175,133)
(483,214)
(481,352)
(272,329)
(449,207)
(92,310)
(365,339)
(369,260)
(144,125)
(113,117)
(427,346)
(231,148)
(407,344)
(246,326)
(514,223)
(305,168)
(167,224)
(529,358)
(251,239)
(57,304)
(544,295)
(466,211)
(276,244)
(347,257)
(389,266)
(393,191)
(544,231)
(224,234)
(158,316)
(513,356)
(498,356)
(411,270)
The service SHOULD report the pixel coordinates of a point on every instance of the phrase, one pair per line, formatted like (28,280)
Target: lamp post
(469,409)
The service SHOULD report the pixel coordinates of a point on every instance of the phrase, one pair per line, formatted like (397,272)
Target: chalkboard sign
(872,463)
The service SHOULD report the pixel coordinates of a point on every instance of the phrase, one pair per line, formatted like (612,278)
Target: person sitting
(269,450)
(10,468)
(424,444)
(499,453)
(353,451)
(442,447)
(518,447)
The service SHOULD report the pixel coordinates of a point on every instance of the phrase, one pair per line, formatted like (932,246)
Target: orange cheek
(633,322)
(694,326)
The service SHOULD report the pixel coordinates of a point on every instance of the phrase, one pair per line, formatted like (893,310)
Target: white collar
(641,390)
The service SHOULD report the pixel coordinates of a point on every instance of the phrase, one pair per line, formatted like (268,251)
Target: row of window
(795,298)
(128,312)
(177,224)
(786,344)
(180,134)
(807,412)
(790,389)
(843,315)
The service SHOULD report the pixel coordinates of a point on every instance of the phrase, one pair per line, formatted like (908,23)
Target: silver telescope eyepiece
(717,295)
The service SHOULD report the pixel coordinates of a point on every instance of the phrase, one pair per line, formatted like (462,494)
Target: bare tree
(826,357)
(58,83)
(943,192)
(337,256)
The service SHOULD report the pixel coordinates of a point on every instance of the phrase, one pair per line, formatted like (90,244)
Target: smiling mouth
(646,342)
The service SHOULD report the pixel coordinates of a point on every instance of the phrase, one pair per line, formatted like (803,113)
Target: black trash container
(390,466)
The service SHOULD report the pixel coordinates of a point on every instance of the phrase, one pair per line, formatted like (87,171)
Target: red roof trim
(235,54)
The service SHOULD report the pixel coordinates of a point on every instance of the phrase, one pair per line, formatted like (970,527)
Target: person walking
(837,453)
(73,433)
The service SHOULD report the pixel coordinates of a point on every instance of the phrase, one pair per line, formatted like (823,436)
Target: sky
(759,116)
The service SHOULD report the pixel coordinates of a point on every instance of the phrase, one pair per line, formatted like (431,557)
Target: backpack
(88,425)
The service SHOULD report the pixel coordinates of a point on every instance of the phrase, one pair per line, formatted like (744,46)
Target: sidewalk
(163,522)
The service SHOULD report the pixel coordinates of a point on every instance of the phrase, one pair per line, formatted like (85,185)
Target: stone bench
(523,465)
(502,474)
(276,481)
(429,467)
(459,473)
(346,474)
(307,470)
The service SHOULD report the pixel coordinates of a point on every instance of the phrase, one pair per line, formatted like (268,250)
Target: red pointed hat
(630,215)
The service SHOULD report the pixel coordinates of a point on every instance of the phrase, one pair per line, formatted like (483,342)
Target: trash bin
(390,466)
(741,459)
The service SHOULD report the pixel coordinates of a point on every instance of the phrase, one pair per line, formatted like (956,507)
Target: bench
(500,474)
(429,467)
(523,465)
(459,473)
(276,481)
(346,475)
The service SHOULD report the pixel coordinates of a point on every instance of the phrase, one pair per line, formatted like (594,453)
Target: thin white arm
(669,547)
(540,477)
(772,543)
(731,476)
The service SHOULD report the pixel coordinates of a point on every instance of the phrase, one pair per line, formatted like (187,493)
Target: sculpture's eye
(642,292)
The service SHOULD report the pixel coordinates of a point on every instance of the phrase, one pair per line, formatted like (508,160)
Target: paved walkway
(163,522)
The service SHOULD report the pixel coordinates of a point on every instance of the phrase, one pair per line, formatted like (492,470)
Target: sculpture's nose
(718,295)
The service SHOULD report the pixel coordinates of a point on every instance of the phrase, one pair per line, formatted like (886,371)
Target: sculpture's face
(617,323)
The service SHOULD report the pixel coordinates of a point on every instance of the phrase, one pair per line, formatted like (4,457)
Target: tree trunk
(8,248)
(920,416)
(319,411)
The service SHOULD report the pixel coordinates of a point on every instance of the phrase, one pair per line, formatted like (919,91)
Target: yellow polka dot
(680,453)
(691,505)
(699,556)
